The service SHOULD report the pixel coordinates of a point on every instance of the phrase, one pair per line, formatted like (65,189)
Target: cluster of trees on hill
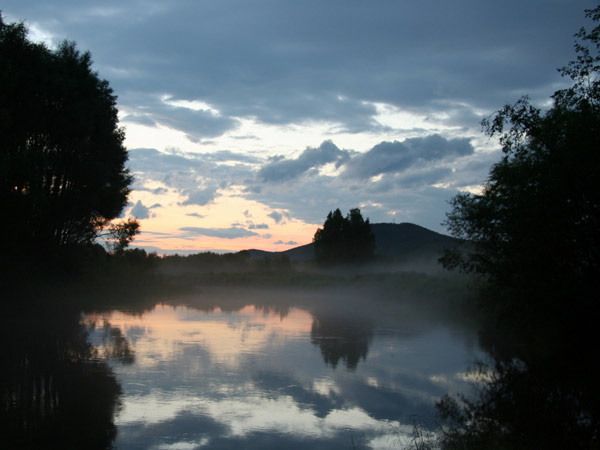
(535,242)
(344,239)
(62,165)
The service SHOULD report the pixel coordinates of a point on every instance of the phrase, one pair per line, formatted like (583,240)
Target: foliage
(55,390)
(535,242)
(121,234)
(344,240)
(136,259)
(208,261)
(521,407)
(62,166)
(535,227)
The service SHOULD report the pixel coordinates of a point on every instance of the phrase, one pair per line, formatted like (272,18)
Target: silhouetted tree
(121,234)
(535,227)
(535,241)
(62,164)
(344,239)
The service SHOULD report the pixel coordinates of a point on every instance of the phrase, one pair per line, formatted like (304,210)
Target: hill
(399,242)
(408,241)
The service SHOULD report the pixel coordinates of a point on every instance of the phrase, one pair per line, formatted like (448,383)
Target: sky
(247,121)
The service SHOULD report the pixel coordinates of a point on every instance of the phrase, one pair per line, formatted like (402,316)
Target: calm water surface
(253,376)
(229,369)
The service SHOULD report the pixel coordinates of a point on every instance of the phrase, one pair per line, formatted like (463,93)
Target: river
(232,368)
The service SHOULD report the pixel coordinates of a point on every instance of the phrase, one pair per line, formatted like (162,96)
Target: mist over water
(239,366)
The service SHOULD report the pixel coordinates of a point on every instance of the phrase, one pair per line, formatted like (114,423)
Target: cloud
(284,62)
(405,54)
(195,123)
(405,197)
(145,119)
(199,197)
(140,211)
(397,157)
(223,71)
(281,169)
(278,217)
(149,160)
(199,216)
(385,179)
(224,233)
(155,191)
(195,176)
(155,233)
(280,242)
(229,156)
(259,226)
(384,175)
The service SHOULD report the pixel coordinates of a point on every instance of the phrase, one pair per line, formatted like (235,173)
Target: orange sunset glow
(171,225)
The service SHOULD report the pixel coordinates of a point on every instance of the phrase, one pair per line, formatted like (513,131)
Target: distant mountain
(407,241)
(402,242)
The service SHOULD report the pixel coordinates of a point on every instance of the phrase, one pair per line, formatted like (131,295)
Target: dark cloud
(419,178)
(198,216)
(280,242)
(154,233)
(426,171)
(414,164)
(397,157)
(394,197)
(140,211)
(195,124)
(284,62)
(280,169)
(156,191)
(139,119)
(278,217)
(151,160)
(225,233)
(228,156)
(199,197)
(418,154)
(196,176)
(258,226)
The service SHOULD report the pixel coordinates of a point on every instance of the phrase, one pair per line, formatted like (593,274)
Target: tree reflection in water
(340,337)
(55,391)
(538,393)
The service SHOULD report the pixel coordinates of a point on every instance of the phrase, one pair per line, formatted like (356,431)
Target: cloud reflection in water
(258,378)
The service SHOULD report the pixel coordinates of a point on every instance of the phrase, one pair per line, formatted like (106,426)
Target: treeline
(223,262)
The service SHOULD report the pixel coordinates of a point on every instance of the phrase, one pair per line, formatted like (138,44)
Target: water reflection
(169,333)
(55,391)
(342,338)
(225,369)
(252,376)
